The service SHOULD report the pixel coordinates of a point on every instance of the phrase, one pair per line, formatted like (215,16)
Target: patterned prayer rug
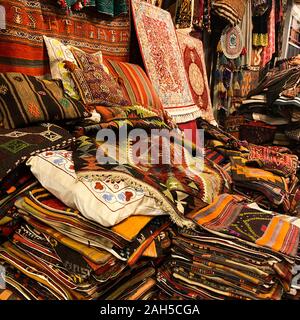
(162,57)
(193,57)
(21,43)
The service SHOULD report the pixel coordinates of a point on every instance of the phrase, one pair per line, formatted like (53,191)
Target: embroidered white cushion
(102,199)
(55,172)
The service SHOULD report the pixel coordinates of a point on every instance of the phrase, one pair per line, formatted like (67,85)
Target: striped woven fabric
(220,214)
(273,186)
(136,85)
(96,255)
(25,100)
(280,235)
(214,156)
(231,215)
(45,207)
(286,102)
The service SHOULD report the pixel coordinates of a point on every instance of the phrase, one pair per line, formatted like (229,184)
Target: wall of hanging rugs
(246,36)
(247,46)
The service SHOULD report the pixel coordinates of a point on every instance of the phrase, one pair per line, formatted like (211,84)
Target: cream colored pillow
(104,200)
(109,201)
(58,53)
(55,172)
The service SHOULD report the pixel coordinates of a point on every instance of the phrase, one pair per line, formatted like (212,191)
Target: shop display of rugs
(79,222)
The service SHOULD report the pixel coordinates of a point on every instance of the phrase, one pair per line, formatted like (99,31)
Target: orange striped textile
(137,87)
(234,216)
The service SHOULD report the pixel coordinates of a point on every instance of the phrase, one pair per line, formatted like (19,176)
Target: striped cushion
(25,100)
(136,85)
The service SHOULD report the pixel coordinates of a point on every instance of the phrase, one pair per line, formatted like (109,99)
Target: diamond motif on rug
(15,146)
(50,135)
(16,134)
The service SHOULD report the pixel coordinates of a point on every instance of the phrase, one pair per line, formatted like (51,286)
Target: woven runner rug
(21,44)
(163,61)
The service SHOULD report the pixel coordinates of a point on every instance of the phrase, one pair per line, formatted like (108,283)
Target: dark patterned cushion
(85,60)
(25,100)
(97,87)
(134,83)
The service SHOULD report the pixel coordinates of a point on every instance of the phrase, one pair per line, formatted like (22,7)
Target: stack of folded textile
(263,174)
(16,146)
(270,114)
(90,230)
(67,256)
(12,186)
(237,251)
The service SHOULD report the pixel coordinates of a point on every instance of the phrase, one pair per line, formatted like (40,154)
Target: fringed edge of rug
(182,115)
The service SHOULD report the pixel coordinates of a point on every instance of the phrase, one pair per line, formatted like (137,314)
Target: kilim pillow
(135,84)
(57,53)
(97,87)
(87,61)
(25,100)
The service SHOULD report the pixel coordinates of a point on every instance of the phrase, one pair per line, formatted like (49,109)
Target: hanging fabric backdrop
(21,43)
